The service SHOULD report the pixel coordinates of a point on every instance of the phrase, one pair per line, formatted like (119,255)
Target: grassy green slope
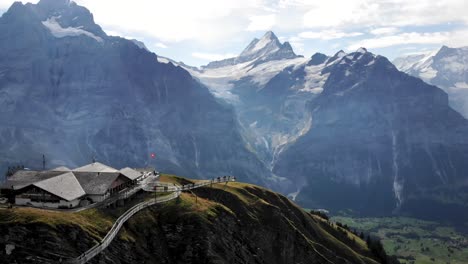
(413,240)
(233,223)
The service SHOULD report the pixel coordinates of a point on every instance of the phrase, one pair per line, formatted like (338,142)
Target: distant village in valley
(72,189)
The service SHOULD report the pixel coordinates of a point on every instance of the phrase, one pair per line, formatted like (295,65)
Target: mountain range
(71,92)
(348,131)
(446,68)
(270,102)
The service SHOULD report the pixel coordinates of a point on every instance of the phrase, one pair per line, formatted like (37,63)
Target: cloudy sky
(197,32)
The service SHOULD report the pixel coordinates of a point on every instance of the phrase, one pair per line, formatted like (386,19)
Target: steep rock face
(268,85)
(446,69)
(380,140)
(234,224)
(71,92)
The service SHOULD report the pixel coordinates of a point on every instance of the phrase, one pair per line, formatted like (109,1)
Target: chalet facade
(66,188)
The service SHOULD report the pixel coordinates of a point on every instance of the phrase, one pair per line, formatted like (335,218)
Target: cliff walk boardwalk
(148,186)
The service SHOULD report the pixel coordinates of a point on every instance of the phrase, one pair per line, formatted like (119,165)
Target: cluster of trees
(376,247)
(320,213)
(373,243)
(425,249)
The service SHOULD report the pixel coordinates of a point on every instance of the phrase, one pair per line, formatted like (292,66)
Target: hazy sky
(200,31)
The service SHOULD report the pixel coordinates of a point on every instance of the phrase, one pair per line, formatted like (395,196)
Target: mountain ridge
(372,125)
(75,97)
(445,68)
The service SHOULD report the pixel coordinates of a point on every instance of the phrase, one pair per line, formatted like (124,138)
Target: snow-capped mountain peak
(445,68)
(65,18)
(340,54)
(267,48)
(267,44)
(260,61)
(60,32)
(361,50)
(317,59)
(415,61)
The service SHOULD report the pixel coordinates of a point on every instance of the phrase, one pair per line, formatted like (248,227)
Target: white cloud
(289,3)
(212,56)
(458,39)
(161,45)
(261,23)
(388,13)
(454,38)
(297,44)
(420,52)
(5,4)
(176,20)
(115,33)
(328,34)
(333,13)
(385,31)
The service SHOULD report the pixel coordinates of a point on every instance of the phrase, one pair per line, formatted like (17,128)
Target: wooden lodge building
(65,188)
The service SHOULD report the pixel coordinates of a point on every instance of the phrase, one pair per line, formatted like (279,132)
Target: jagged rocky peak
(317,59)
(139,44)
(340,54)
(445,68)
(268,43)
(66,15)
(444,49)
(360,56)
(361,50)
(287,46)
(348,70)
(267,48)
(445,52)
(55,4)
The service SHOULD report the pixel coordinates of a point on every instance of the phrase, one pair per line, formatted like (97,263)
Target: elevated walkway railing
(105,242)
(175,190)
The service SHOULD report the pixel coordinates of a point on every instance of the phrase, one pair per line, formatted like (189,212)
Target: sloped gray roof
(130,173)
(95,167)
(24,178)
(65,186)
(95,178)
(61,168)
(96,183)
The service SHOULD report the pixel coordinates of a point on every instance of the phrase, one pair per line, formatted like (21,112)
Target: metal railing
(161,187)
(176,191)
(105,242)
